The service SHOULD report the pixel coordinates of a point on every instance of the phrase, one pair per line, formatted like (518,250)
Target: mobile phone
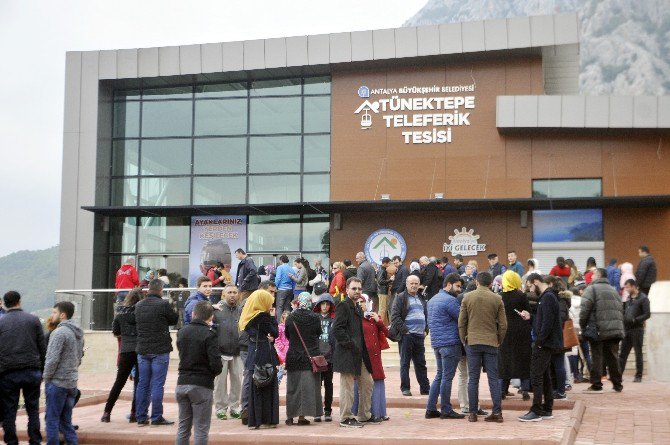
(518,312)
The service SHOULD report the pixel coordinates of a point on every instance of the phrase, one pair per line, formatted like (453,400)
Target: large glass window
(567,188)
(249,142)
(274,188)
(166,157)
(315,233)
(167,118)
(219,190)
(220,156)
(271,115)
(274,154)
(220,117)
(274,233)
(165,235)
(122,232)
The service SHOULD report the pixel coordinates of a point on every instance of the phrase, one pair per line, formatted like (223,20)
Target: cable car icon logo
(366,119)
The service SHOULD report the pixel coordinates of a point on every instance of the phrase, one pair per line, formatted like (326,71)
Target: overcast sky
(34,36)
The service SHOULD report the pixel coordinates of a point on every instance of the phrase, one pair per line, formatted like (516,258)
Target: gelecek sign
(464,242)
(436,116)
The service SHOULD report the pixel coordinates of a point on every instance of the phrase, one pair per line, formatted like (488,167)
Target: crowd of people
(522,328)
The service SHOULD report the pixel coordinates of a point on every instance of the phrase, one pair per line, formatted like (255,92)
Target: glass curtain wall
(264,141)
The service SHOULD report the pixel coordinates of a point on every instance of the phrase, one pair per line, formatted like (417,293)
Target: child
(281,345)
(325,307)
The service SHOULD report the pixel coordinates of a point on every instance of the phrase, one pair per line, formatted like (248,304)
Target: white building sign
(438,113)
(464,243)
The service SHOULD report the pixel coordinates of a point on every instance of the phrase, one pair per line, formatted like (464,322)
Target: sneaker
(317,419)
(472,417)
(452,415)
(618,388)
(637,380)
(592,390)
(105,417)
(481,412)
(530,416)
(568,387)
(546,415)
(327,418)
(221,415)
(142,422)
(132,418)
(425,393)
(161,421)
(374,420)
(234,414)
(495,418)
(351,423)
(560,396)
(430,414)
(407,393)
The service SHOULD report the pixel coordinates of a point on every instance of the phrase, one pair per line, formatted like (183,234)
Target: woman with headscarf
(415,268)
(303,387)
(259,322)
(515,351)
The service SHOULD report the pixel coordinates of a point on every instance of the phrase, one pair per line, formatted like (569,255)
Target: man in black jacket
(226,318)
(351,358)
(548,340)
(430,278)
(247,275)
(22,353)
(199,364)
(635,312)
(409,324)
(645,275)
(153,317)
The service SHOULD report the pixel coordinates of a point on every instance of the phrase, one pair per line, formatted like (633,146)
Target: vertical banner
(214,239)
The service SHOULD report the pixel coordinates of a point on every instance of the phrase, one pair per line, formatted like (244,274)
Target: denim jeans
(58,417)
(447,358)
(558,363)
(412,349)
(11,384)
(479,355)
(153,371)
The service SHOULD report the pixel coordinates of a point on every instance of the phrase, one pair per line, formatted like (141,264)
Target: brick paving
(637,415)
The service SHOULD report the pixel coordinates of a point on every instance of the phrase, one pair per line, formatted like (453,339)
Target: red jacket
(375,341)
(558,271)
(340,282)
(126,277)
(212,276)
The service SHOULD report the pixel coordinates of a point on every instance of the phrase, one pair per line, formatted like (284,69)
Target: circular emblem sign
(384,243)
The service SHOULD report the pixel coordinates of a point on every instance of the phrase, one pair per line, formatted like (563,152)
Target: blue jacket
(614,277)
(282,279)
(190,304)
(517,267)
(443,310)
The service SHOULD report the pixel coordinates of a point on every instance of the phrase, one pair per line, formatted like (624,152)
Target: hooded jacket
(126,277)
(326,339)
(64,353)
(626,274)
(190,304)
(604,300)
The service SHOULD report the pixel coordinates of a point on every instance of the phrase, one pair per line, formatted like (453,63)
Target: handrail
(165,289)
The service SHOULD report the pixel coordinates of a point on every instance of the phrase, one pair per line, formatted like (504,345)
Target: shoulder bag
(319,363)
(263,374)
(570,338)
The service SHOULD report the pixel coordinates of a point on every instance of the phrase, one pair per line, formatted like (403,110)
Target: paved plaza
(637,415)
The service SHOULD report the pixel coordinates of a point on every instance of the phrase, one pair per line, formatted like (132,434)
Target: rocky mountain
(625,44)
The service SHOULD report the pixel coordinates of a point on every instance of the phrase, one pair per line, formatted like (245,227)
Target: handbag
(263,374)
(570,338)
(319,362)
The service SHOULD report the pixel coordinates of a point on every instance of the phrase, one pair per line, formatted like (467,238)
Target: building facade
(462,138)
